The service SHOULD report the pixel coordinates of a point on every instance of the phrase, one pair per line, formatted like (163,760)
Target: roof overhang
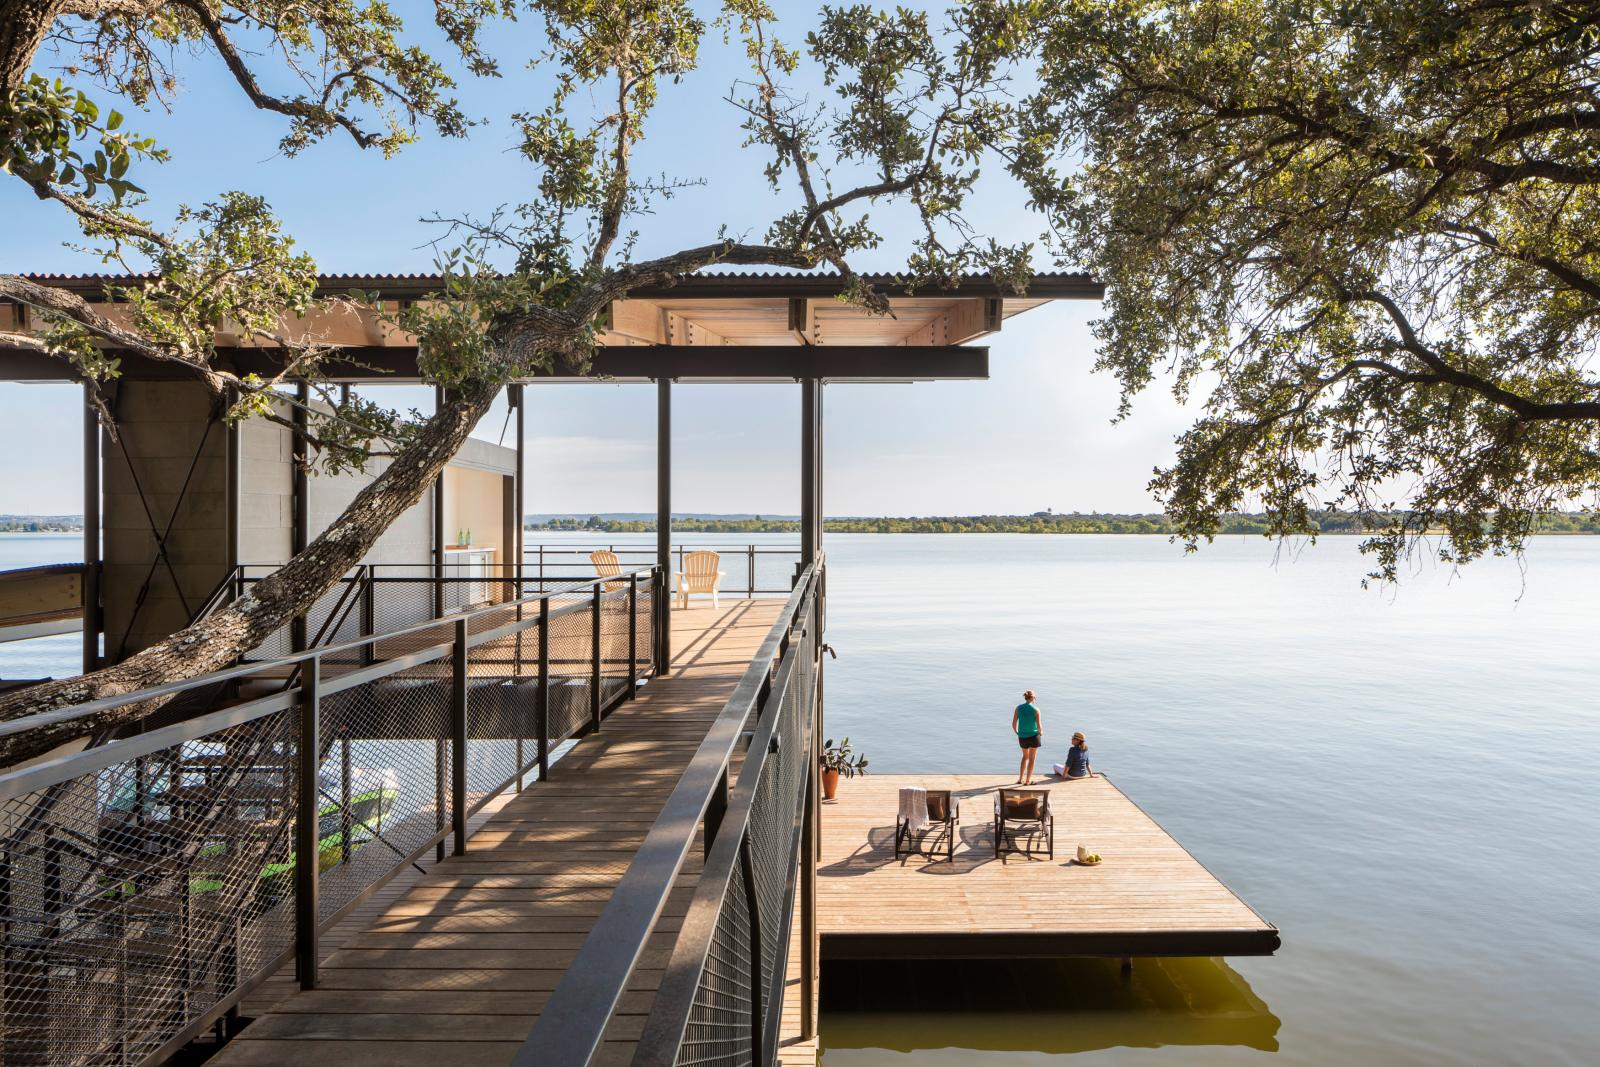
(708,327)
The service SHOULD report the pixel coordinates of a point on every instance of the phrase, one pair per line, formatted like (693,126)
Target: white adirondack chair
(700,575)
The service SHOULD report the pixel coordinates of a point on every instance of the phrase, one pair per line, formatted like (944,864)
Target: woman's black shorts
(1029,742)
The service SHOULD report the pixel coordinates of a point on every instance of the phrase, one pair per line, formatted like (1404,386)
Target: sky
(1038,434)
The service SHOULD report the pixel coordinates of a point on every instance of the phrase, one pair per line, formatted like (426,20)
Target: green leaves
(53,138)
(1368,228)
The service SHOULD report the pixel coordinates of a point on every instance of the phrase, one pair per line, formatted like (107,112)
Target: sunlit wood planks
(457,966)
(1149,898)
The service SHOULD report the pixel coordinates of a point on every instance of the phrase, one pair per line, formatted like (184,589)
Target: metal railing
(376,598)
(750,795)
(147,885)
(751,569)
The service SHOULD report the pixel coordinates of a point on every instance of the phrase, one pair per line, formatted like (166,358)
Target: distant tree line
(40,523)
(1333,522)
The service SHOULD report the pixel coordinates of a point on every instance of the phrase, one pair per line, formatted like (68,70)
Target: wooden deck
(1149,898)
(454,966)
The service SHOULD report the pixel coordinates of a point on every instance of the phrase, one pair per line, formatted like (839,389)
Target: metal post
(758,1017)
(91,533)
(821,496)
(458,738)
(542,718)
(633,634)
(810,412)
(438,796)
(519,397)
(438,525)
(369,614)
(594,662)
(750,556)
(346,816)
(664,510)
(306,817)
(716,810)
(658,622)
(301,535)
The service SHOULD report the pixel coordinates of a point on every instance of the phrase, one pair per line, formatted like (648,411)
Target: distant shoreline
(1336,524)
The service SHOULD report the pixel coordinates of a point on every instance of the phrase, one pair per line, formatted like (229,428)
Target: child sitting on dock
(1077,765)
(1026,724)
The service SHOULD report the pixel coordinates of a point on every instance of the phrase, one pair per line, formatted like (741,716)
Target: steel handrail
(573,1021)
(674,1001)
(92,707)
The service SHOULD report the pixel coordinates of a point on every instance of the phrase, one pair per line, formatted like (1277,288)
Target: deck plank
(455,962)
(1149,897)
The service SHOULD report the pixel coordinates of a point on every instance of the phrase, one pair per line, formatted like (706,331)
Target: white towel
(913,807)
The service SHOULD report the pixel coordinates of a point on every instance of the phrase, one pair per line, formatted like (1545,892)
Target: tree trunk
(23,25)
(218,640)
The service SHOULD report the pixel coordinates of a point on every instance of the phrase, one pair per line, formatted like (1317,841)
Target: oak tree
(1366,231)
(895,107)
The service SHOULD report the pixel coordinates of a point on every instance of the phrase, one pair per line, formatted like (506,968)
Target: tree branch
(1522,407)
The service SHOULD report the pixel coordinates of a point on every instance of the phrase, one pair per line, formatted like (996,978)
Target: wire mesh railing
(148,884)
(720,999)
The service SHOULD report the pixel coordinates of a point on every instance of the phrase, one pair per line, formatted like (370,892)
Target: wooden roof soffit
(920,322)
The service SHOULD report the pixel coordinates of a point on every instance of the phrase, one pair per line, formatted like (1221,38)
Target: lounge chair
(700,575)
(606,565)
(1023,812)
(944,814)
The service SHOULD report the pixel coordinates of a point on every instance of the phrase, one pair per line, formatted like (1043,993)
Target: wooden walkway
(453,965)
(1149,898)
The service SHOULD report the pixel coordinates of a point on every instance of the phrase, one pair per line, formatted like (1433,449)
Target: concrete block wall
(266,491)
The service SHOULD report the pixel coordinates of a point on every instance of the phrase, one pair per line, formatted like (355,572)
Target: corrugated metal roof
(733,284)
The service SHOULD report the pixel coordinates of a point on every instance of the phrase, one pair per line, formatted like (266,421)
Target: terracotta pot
(830,784)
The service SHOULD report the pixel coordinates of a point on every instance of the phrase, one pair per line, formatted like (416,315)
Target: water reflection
(959,1011)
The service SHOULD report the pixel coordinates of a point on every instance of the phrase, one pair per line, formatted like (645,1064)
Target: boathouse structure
(463,812)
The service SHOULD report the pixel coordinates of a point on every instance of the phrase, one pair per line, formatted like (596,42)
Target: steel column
(458,738)
(821,422)
(91,532)
(307,851)
(518,396)
(301,535)
(438,524)
(664,512)
(810,470)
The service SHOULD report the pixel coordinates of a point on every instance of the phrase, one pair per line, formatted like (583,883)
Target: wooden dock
(455,966)
(1150,897)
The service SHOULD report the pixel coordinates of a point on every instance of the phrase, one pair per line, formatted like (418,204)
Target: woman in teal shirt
(1027,725)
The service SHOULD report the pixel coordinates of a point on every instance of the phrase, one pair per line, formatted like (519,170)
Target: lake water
(1406,783)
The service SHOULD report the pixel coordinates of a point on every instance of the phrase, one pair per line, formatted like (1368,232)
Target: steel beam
(637,363)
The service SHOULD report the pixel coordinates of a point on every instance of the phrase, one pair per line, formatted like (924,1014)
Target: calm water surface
(1407,784)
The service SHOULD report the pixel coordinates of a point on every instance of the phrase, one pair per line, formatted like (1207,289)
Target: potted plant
(839,760)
